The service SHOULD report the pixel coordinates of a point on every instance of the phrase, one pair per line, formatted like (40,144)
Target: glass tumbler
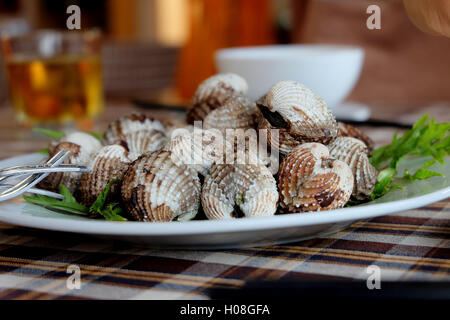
(55,77)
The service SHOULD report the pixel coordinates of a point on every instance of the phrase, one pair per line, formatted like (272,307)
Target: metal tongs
(35,174)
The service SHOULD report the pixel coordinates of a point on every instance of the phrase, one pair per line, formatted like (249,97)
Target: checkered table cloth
(410,245)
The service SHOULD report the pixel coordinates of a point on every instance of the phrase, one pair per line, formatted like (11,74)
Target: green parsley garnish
(425,139)
(109,211)
(44,151)
(69,204)
(50,133)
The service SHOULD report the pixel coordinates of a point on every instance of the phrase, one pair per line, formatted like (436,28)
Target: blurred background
(165,47)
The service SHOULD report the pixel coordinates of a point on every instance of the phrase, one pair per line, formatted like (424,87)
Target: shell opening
(237,212)
(274,118)
(327,163)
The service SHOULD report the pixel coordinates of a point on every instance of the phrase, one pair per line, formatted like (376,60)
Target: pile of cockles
(322,163)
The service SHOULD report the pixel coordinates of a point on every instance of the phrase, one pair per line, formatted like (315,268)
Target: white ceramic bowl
(330,70)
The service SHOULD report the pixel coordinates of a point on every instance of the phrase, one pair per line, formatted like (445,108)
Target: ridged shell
(198,149)
(236,113)
(354,153)
(213,93)
(143,141)
(82,147)
(108,164)
(251,149)
(248,146)
(173,125)
(283,142)
(232,191)
(310,181)
(301,112)
(154,189)
(346,130)
(89,143)
(118,129)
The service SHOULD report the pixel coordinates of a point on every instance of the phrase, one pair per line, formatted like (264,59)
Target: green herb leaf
(62,205)
(383,185)
(109,211)
(422,174)
(112,212)
(426,138)
(101,199)
(98,136)
(68,197)
(45,151)
(386,174)
(240,200)
(50,133)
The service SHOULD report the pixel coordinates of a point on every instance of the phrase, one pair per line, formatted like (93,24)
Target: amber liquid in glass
(57,89)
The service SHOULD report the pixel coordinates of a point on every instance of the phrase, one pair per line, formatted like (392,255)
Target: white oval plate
(227,234)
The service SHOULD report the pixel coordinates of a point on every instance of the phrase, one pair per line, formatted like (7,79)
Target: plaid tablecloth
(411,245)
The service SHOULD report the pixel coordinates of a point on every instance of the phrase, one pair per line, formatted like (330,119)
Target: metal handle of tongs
(35,174)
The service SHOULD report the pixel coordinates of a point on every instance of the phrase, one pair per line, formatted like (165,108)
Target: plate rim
(132,228)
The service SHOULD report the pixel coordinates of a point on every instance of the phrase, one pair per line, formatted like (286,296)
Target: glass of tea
(55,77)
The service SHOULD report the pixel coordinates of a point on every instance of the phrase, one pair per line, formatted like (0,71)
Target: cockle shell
(154,189)
(108,164)
(89,143)
(252,149)
(346,130)
(233,191)
(213,93)
(118,129)
(198,149)
(237,113)
(143,141)
(237,121)
(311,181)
(82,146)
(173,125)
(355,153)
(283,141)
(301,115)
